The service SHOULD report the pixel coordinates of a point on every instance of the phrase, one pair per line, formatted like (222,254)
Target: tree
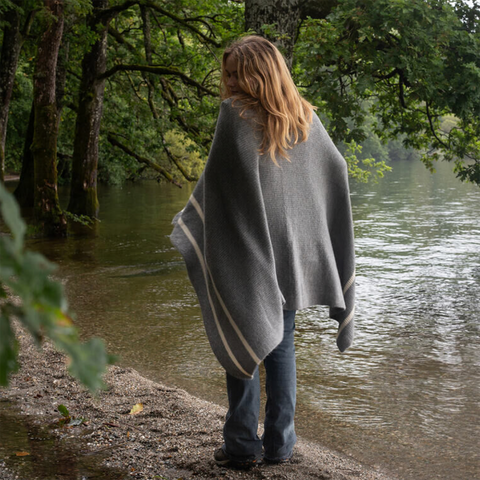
(25,191)
(409,62)
(283,16)
(143,74)
(83,192)
(45,131)
(83,197)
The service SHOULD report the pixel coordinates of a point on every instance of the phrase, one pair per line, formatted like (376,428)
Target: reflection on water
(405,396)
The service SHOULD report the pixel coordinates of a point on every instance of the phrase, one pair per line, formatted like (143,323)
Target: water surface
(406,396)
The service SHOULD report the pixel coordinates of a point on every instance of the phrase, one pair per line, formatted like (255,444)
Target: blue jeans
(241,441)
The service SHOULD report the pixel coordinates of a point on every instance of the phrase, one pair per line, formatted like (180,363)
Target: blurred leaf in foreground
(29,294)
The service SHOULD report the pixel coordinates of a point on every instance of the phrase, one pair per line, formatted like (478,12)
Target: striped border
(349,317)
(208,275)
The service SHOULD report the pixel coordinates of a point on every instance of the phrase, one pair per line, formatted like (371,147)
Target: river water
(405,397)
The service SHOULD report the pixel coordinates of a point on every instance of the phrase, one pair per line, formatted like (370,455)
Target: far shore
(173,437)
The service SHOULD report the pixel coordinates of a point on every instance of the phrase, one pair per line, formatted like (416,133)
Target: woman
(267,231)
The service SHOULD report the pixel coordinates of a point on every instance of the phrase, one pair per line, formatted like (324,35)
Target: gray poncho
(258,239)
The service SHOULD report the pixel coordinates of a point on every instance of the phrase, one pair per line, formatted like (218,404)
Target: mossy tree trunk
(24,193)
(44,146)
(83,192)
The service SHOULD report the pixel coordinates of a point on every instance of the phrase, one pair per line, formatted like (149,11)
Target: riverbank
(173,437)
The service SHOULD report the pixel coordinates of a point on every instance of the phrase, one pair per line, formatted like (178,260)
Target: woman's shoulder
(233,108)
(227,103)
(233,115)
(228,112)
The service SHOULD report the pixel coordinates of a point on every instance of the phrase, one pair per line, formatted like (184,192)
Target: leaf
(63,410)
(22,454)
(8,350)
(137,408)
(88,360)
(63,320)
(43,307)
(11,214)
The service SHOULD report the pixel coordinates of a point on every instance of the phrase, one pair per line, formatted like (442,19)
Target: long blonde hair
(284,117)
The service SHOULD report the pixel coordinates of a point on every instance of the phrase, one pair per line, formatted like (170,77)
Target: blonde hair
(284,117)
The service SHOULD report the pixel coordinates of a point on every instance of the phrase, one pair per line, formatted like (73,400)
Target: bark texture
(24,193)
(44,146)
(12,44)
(285,14)
(83,192)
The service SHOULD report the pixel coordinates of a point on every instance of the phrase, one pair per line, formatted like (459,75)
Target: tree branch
(107,14)
(157,70)
(388,75)
(174,160)
(432,128)
(179,20)
(28,22)
(144,160)
(119,38)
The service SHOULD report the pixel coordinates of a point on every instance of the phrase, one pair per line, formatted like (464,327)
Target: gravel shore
(173,437)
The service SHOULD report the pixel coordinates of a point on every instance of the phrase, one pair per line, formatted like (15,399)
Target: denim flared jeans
(241,441)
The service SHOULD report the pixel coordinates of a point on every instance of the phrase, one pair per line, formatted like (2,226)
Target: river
(405,396)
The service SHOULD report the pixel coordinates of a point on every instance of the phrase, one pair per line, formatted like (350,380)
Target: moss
(48,213)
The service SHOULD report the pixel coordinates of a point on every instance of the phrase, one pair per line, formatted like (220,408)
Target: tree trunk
(61,77)
(83,192)
(44,145)
(12,44)
(25,191)
(285,14)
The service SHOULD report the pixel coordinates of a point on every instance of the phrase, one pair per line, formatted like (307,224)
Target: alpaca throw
(258,239)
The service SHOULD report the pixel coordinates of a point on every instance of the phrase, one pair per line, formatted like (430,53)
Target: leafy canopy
(410,63)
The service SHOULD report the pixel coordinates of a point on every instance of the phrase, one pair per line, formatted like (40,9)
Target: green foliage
(143,108)
(363,169)
(414,61)
(67,419)
(29,294)
(186,151)
(64,411)
(20,7)
(20,107)
(84,220)
(394,77)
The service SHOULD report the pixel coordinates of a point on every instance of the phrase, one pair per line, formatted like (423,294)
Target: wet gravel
(173,437)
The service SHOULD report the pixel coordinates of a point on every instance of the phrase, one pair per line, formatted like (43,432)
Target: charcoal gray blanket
(258,239)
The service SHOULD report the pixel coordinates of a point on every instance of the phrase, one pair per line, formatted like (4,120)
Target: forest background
(112,90)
